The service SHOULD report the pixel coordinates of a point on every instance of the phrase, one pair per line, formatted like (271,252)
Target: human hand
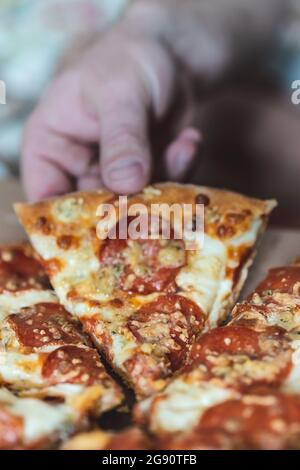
(106,100)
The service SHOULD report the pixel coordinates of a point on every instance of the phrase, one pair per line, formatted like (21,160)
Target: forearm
(209,36)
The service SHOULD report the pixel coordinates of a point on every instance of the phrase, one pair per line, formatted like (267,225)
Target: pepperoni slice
(74,365)
(20,271)
(169,325)
(229,339)
(144,266)
(235,353)
(284,280)
(11,430)
(45,324)
(111,251)
(267,421)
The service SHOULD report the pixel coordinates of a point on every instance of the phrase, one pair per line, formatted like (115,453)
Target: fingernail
(129,171)
(181,163)
(192,134)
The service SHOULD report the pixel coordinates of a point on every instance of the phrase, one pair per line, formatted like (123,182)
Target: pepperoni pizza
(44,354)
(240,387)
(143,301)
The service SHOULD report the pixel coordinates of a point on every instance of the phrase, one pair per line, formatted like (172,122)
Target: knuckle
(125,134)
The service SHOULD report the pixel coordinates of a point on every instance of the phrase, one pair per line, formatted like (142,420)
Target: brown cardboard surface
(279,246)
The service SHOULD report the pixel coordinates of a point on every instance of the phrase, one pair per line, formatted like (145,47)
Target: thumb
(125,160)
(134,83)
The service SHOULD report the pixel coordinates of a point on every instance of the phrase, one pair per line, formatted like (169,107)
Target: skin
(107,96)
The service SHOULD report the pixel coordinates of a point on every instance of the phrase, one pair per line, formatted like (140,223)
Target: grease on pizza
(144,302)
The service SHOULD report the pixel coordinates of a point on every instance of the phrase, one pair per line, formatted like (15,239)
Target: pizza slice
(240,387)
(145,300)
(22,279)
(263,420)
(31,423)
(266,419)
(44,352)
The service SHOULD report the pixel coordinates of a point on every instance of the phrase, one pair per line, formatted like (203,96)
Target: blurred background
(251,127)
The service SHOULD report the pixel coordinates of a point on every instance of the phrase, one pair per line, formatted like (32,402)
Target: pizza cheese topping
(31,423)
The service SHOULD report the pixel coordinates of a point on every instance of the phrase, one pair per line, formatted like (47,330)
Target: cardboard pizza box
(278,247)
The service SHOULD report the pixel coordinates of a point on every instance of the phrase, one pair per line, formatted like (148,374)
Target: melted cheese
(122,348)
(248,237)
(20,370)
(292,384)
(41,420)
(225,292)
(201,278)
(78,263)
(182,404)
